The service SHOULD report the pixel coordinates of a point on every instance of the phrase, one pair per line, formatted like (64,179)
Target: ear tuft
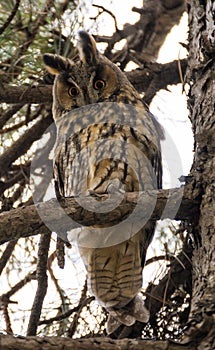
(87,48)
(56,64)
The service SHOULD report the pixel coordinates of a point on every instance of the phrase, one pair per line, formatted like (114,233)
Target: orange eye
(73,91)
(99,84)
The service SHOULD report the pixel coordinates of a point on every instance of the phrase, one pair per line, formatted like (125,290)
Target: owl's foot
(94,194)
(128,315)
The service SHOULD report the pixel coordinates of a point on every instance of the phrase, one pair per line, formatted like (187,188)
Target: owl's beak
(87,98)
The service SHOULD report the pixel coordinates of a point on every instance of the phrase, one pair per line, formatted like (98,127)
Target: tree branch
(82,302)
(103,9)
(26,94)
(25,221)
(42,286)
(8,342)
(10,18)
(6,254)
(7,319)
(25,141)
(6,296)
(9,114)
(150,78)
(149,32)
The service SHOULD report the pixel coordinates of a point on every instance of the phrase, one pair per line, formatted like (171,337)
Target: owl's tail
(128,315)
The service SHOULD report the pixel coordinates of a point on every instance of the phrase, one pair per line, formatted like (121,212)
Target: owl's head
(91,79)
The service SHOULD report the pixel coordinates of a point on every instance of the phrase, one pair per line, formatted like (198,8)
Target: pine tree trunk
(201,73)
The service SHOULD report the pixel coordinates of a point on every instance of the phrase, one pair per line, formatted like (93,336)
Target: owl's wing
(121,286)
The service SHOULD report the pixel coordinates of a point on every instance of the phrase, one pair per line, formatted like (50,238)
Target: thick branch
(23,222)
(153,77)
(149,79)
(8,342)
(26,94)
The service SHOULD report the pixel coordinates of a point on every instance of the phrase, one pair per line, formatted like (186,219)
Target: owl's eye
(99,84)
(73,91)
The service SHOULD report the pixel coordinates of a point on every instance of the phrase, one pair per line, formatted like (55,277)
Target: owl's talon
(94,194)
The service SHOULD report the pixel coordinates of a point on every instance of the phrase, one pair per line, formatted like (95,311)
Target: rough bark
(25,94)
(153,77)
(25,221)
(201,73)
(52,343)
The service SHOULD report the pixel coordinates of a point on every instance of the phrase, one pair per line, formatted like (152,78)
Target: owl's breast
(93,159)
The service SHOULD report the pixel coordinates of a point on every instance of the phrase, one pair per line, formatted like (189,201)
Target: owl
(107,142)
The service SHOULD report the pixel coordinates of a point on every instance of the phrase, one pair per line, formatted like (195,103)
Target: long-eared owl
(107,142)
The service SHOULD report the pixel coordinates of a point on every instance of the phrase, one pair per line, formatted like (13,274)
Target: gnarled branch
(177,203)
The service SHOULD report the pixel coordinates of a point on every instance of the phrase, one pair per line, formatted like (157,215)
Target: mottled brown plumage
(99,149)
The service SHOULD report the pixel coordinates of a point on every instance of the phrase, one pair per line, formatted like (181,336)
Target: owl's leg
(134,311)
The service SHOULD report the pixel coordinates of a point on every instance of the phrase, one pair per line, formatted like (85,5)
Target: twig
(42,280)
(25,141)
(16,179)
(6,254)
(138,10)
(19,175)
(18,191)
(10,17)
(7,319)
(6,296)
(81,304)
(158,258)
(109,12)
(35,25)
(177,275)
(58,288)
(67,313)
(166,288)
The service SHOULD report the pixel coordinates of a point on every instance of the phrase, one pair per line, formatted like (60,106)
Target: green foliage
(37,27)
